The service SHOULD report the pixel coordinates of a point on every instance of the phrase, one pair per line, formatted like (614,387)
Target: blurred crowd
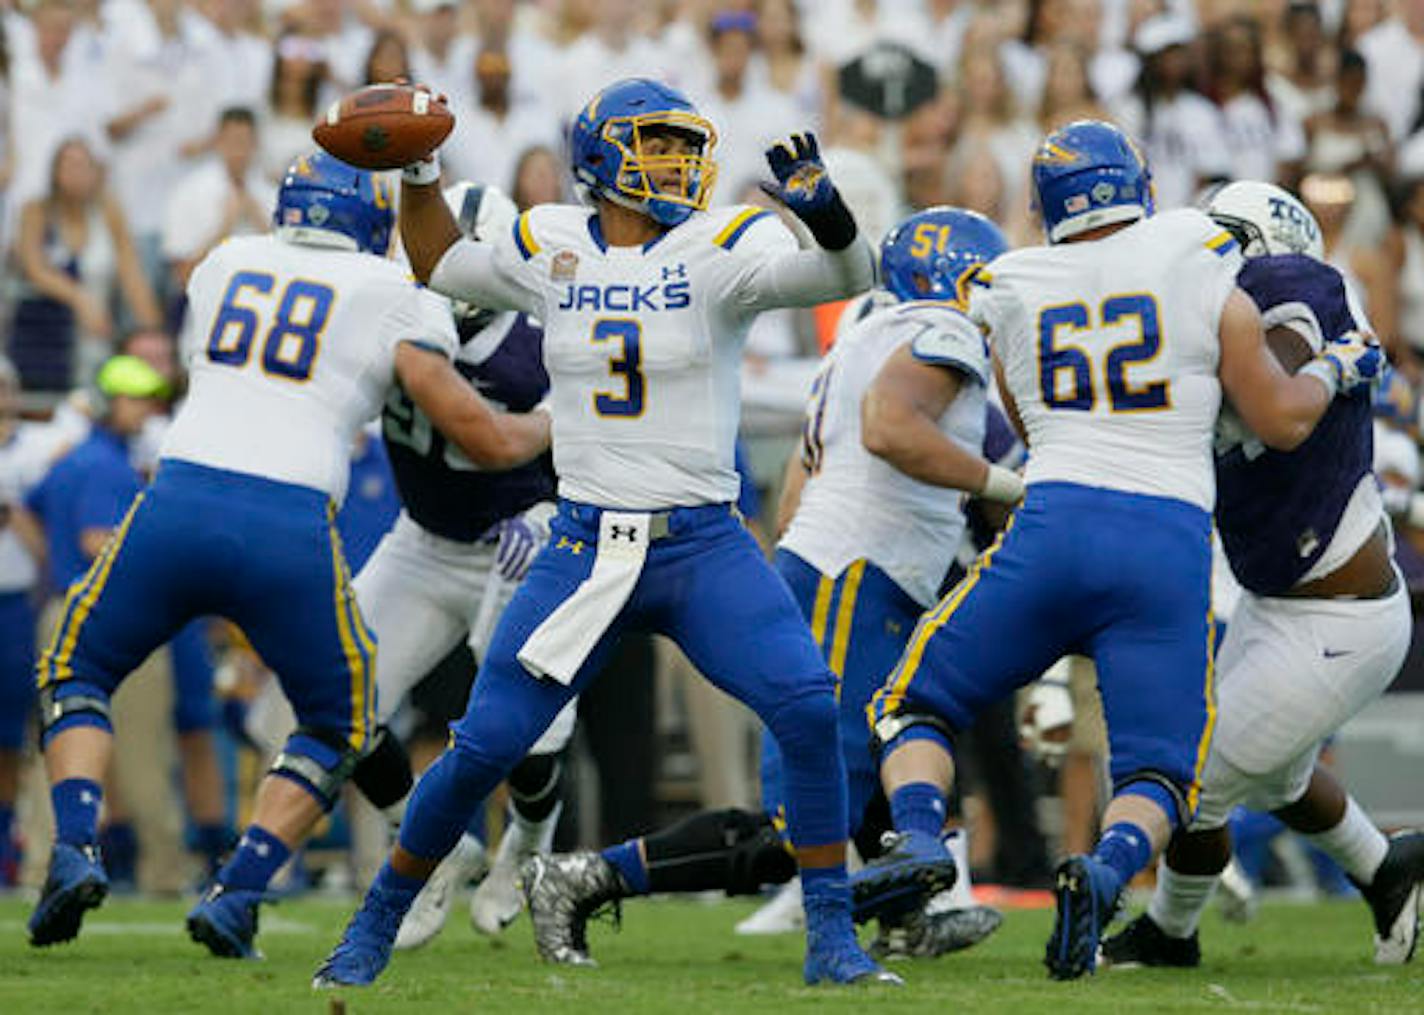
(135,135)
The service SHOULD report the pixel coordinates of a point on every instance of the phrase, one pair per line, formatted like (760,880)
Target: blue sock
(476,825)
(76,811)
(627,859)
(918,807)
(259,855)
(1125,848)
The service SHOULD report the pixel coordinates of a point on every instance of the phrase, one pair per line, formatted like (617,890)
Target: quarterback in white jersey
(645,301)
(300,335)
(1113,346)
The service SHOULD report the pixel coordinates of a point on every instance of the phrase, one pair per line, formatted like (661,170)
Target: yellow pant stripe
(821,611)
(58,665)
(887,699)
(355,660)
(845,617)
(1194,794)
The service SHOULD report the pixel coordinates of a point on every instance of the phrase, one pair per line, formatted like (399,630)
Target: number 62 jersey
(291,349)
(1110,350)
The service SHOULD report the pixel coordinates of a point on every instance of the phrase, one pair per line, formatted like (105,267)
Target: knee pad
(383,775)
(903,726)
(535,785)
(1158,788)
(320,761)
(72,703)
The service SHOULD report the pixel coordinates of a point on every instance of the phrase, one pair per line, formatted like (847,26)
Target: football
(384,126)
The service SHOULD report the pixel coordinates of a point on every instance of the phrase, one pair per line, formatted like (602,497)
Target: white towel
(558,647)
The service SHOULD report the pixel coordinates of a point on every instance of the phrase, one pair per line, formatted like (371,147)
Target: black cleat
(1143,943)
(1394,897)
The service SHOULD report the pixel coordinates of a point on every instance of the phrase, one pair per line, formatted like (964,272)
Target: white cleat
(498,900)
(1236,895)
(782,915)
(427,914)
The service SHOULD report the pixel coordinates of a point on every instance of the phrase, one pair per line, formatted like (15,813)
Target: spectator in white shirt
(1178,127)
(225,196)
(388,59)
(163,101)
(1394,51)
(299,74)
(1302,82)
(1265,142)
(748,117)
(443,53)
(240,61)
(784,62)
(493,129)
(613,50)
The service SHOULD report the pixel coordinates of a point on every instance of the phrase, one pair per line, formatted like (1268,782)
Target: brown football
(384,126)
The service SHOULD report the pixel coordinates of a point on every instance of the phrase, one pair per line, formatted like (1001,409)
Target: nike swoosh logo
(1336,653)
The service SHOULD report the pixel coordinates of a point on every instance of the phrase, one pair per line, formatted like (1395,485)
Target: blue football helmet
(323,195)
(606,146)
(1088,174)
(930,255)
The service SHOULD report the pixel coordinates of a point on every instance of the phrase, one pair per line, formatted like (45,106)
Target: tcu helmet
(1266,220)
(606,146)
(929,255)
(483,213)
(1089,174)
(322,199)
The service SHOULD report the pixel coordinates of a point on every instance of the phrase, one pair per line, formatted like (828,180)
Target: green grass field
(680,957)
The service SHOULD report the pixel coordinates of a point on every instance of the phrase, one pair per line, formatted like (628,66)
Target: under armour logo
(674,271)
(574,545)
(627,532)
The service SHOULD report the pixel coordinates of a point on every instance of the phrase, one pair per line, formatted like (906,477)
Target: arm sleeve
(495,276)
(770,272)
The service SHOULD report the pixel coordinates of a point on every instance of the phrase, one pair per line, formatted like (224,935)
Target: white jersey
(855,505)
(643,345)
(1110,350)
(292,351)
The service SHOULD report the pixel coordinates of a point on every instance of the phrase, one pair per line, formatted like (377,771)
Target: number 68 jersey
(1110,350)
(291,350)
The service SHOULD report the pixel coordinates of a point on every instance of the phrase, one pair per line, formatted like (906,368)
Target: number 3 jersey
(291,350)
(643,346)
(1110,350)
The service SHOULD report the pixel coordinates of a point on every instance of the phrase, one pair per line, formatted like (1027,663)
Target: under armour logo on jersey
(573,545)
(674,271)
(627,532)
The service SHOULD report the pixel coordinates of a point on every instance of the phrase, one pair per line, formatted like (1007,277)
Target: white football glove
(1047,720)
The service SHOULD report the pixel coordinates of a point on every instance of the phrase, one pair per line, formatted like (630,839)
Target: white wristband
(424,172)
(1002,485)
(1324,372)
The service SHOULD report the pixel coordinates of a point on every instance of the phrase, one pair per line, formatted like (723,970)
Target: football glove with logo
(804,186)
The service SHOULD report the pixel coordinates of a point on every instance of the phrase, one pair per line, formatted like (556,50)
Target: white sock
(395,813)
(1179,900)
(1355,843)
(961,896)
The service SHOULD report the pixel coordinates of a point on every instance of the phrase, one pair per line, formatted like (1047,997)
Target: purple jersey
(1278,511)
(441,489)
